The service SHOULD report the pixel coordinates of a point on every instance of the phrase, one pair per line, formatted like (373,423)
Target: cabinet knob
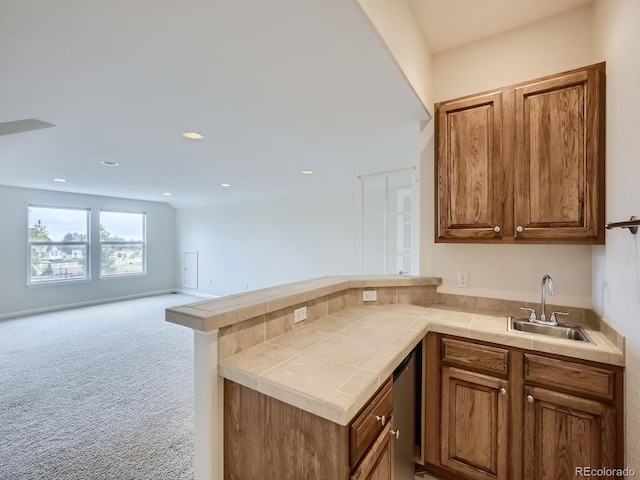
(395,433)
(496,229)
(519,229)
(503,391)
(381,419)
(530,399)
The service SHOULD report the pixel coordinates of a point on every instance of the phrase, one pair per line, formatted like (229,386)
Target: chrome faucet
(543,317)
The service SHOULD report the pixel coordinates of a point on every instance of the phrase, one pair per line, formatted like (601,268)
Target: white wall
(398,29)
(16,297)
(250,246)
(541,48)
(507,271)
(616,278)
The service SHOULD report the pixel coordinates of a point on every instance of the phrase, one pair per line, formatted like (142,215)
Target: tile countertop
(334,365)
(220,312)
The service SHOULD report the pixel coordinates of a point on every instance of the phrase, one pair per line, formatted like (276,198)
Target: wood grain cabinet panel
(563,432)
(478,357)
(525,163)
(469,163)
(570,376)
(475,431)
(369,423)
(266,439)
(559,169)
(547,416)
(377,464)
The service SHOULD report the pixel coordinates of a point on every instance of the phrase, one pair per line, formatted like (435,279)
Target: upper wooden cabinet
(523,164)
(469,167)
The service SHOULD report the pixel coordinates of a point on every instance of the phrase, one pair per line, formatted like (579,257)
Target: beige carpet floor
(100,392)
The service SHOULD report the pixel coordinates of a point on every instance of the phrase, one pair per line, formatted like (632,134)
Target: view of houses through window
(59,242)
(122,241)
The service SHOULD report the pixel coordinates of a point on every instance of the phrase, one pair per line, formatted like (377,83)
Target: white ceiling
(275,86)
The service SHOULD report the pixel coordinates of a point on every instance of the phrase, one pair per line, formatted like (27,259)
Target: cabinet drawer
(378,462)
(571,376)
(476,357)
(365,427)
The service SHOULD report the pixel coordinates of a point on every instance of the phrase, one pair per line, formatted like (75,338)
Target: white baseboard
(101,301)
(195,294)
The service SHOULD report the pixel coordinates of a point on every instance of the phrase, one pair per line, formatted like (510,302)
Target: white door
(190,277)
(387,230)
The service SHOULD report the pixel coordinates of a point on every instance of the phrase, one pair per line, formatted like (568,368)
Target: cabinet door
(377,464)
(563,432)
(559,158)
(469,169)
(474,427)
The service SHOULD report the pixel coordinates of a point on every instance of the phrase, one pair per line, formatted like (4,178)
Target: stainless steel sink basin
(563,330)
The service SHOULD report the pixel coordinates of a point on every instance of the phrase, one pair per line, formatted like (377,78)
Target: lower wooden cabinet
(498,413)
(377,464)
(266,439)
(564,432)
(474,426)
(369,423)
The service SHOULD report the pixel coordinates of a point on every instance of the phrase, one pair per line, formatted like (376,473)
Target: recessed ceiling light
(59,180)
(307,172)
(109,164)
(193,135)
(225,184)
(167,194)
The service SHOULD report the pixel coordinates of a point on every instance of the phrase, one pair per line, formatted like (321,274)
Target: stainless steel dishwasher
(404,416)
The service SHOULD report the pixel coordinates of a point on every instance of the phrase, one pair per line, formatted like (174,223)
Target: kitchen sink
(563,330)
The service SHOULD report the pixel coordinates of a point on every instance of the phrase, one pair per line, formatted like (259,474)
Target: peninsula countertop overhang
(220,312)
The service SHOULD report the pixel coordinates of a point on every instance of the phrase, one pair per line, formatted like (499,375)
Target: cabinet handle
(503,391)
(395,433)
(530,399)
(519,229)
(496,229)
(381,419)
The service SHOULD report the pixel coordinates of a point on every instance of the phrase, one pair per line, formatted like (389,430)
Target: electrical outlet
(463,279)
(369,295)
(299,314)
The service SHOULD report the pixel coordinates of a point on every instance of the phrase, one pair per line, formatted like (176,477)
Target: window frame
(102,243)
(86,244)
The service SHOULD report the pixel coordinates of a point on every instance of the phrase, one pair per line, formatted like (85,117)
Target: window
(122,243)
(387,215)
(58,244)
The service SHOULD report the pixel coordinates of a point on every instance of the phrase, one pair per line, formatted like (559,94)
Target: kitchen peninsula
(332,364)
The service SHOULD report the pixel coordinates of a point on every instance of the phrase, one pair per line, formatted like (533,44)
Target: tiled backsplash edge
(255,330)
(240,336)
(609,332)
(512,307)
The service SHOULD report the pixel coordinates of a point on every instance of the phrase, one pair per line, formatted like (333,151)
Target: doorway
(386,223)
